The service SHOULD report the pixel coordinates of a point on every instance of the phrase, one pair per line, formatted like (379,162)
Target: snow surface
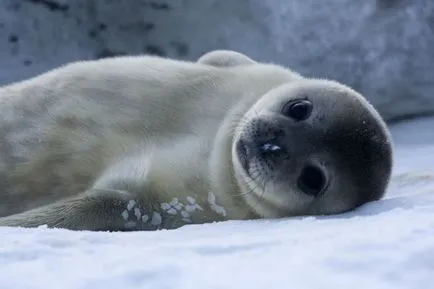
(385,244)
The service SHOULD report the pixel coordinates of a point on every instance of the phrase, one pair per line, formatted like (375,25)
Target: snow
(385,244)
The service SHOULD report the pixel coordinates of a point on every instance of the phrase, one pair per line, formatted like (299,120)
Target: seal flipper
(95,209)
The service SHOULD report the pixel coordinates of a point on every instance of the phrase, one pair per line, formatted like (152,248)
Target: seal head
(311,147)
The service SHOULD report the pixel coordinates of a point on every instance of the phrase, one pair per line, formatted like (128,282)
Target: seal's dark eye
(298,110)
(311,181)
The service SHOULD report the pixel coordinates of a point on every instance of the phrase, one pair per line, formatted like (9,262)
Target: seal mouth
(242,155)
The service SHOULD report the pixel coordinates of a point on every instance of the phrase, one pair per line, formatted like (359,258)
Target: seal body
(143,143)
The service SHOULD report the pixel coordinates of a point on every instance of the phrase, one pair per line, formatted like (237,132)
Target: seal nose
(271,149)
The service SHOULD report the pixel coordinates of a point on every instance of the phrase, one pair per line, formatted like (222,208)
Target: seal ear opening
(225,58)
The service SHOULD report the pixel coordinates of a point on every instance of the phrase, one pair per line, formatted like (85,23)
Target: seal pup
(145,143)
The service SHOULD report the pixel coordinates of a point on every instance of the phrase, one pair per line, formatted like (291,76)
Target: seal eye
(311,181)
(298,110)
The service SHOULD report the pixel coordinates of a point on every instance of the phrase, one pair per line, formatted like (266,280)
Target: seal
(146,143)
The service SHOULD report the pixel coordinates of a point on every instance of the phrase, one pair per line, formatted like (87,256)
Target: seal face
(311,147)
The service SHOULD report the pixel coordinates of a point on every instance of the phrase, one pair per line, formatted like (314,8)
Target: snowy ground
(386,244)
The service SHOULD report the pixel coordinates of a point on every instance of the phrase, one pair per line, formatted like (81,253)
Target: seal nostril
(271,150)
(270,147)
(311,181)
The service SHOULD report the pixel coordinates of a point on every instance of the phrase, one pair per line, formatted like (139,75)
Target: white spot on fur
(216,208)
(145,218)
(190,208)
(192,205)
(219,210)
(174,202)
(165,206)
(125,215)
(137,213)
(185,214)
(156,219)
(172,207)
(131,204)
(172,211)
(211,198)
(191,200)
